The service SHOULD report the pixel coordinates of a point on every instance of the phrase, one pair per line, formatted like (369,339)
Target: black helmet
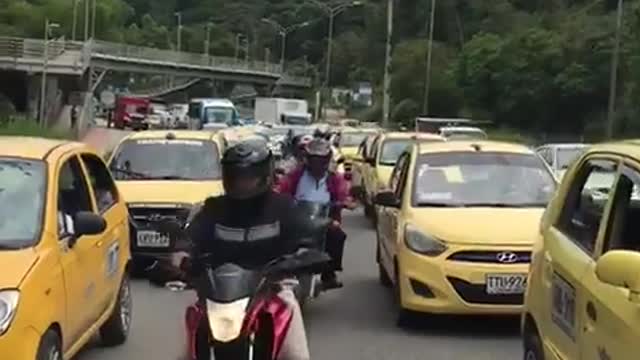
(247,170)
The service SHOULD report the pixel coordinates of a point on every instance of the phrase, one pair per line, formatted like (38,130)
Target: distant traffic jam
(464,224)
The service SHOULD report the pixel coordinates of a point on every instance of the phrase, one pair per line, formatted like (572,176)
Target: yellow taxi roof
(630,148)
(31,147)
(484,145)
(412,135)
(179,134)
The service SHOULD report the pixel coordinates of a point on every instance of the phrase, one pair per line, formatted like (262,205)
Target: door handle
(591,311)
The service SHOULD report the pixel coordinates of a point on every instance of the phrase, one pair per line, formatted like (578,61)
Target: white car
(559,156)
(180,116)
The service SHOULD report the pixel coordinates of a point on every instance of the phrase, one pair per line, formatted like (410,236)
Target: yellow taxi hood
(383,173)
(192,192)
(15,266)
(479,226)
(349,152)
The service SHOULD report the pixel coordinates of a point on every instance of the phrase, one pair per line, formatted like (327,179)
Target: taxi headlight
(8,306)
(422,243)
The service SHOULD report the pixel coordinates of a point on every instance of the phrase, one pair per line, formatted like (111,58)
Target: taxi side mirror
(371,161)
(621,268)
(86,223)
(387,199)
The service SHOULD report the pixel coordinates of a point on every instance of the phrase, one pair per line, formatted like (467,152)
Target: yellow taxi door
(612,322)
(570,245)
(107,250)
(388,217)
(78,255)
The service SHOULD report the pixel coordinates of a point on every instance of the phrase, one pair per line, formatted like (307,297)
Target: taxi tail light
(422,243)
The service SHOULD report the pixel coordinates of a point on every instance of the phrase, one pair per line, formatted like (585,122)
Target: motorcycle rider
(314,181)
(249,209)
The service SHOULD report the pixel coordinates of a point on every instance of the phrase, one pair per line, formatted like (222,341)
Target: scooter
(310,285)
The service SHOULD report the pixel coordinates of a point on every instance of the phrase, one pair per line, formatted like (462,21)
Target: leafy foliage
(534,66)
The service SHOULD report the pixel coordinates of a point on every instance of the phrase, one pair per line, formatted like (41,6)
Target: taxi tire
(532,347)
(404,317)
(383,277)
(49,343)
(113,332)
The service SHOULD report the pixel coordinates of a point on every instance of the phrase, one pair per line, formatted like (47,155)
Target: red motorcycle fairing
(194,314)
(280,313)
(274,307)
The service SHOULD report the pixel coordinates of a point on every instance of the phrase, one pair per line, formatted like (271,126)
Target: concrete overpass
(78,67)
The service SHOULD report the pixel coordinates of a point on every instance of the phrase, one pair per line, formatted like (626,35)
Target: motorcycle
(240,309)
(310,285)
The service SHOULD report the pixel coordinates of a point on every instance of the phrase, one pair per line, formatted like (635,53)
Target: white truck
(282,111)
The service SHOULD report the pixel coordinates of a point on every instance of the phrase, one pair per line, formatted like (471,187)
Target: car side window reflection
(404,170)
(394,181)
(623,233)
(73,196)
(585,203)
(102,184)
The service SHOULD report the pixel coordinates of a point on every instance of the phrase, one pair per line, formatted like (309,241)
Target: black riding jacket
(247,233)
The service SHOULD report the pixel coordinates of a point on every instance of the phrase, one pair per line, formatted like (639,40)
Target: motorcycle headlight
(8,306)
(225,320)
(422,243)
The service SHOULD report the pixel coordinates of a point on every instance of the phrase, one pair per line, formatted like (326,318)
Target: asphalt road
(353,323)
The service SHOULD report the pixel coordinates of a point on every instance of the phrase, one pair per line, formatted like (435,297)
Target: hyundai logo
(507,257)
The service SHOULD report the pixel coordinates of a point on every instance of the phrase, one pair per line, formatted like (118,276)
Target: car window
(402,183)
(566,156)
(73,195)
(396,175)
(585,203)
(103,186)
(22,199)
(374,149)
(482,179)
(623,233)
(165,159)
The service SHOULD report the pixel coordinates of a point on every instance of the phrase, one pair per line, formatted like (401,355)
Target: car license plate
(147,238)
(506,284)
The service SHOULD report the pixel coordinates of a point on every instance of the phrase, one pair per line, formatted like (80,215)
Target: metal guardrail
(33,50)
(154,55)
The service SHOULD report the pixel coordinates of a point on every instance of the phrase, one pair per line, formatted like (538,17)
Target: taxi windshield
(352,138)
(22,198)
(392,149)
(492,179)
(161,159)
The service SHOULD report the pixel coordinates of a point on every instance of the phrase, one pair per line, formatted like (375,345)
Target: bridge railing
(30,48)
(185,58)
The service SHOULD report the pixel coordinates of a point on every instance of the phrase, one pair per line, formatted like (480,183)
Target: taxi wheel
(404,316)
(116,330)
(532,347)
(382,273)
(368,209)
(49,348)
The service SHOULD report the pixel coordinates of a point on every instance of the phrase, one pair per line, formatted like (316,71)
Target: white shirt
(310,189)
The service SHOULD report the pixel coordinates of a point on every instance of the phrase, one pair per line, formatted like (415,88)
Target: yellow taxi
(457,224)
(348,141)
(385,150)
(358,167)
(162,175)
(64,250)
(583,294)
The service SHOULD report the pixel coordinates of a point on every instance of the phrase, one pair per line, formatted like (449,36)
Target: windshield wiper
(130,173)
(10,247)
(506,205)
(168,177)
(437,204)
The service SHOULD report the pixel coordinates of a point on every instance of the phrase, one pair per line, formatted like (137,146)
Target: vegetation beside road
(18,126)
